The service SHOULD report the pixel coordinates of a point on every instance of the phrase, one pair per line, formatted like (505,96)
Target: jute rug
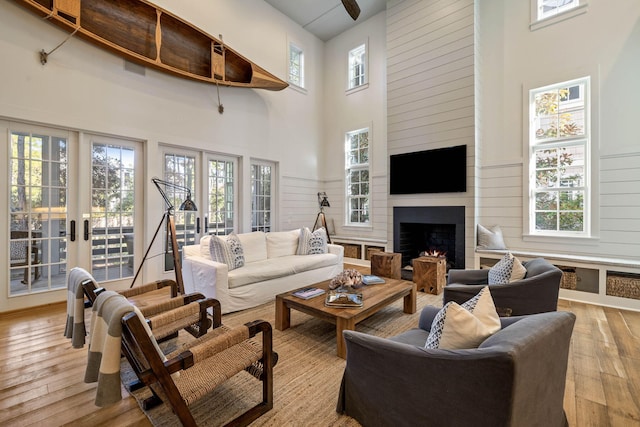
(306,378)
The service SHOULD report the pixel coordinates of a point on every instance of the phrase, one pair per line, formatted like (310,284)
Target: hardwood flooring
(41,376)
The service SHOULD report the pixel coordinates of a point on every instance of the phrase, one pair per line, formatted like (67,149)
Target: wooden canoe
(151,36)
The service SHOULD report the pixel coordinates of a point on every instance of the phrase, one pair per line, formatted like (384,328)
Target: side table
(386,264)
(429,273)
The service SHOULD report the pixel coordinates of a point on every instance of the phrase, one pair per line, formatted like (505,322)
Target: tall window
(357,176)
(221,211)
(559,162)
(38,174)
(296,65)
(262,202)
(180,169)
(357,66)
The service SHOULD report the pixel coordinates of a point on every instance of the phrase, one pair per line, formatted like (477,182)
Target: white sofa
(271,267)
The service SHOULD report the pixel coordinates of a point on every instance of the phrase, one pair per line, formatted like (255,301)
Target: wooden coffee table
(375,298)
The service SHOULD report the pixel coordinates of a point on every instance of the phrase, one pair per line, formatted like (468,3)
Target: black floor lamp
(321,221)
(187,205)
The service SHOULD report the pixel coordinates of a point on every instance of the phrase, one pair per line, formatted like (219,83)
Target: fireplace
(429,228)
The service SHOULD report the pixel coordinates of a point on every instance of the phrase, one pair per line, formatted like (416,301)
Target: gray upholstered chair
(536,293)
(515,378)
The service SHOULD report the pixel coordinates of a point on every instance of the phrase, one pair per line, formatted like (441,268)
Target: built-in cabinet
(359,249)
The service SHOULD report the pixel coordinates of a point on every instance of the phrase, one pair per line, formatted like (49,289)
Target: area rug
(306,378)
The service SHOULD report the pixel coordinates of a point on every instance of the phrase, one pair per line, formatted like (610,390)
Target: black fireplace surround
(427,228)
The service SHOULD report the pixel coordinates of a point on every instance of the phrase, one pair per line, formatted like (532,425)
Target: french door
(70,203)
(212,179)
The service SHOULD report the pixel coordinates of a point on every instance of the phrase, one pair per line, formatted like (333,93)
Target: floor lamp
(187,205)
(323,202)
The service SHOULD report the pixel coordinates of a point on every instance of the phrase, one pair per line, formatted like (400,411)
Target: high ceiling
(326,18)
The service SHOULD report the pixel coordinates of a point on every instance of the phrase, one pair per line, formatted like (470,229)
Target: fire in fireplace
(431,231)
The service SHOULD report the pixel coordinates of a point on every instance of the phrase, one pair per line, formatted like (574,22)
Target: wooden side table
(386,264)
(429,273)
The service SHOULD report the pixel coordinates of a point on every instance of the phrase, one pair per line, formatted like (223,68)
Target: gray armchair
(536,293)
(515,378)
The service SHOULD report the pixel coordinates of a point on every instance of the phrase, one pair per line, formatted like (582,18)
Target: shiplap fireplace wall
(430,96)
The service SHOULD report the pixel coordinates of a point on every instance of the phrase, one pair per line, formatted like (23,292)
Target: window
(180,169)
(357,66)
(296,66)
(357,176)
(547,12)
(221,209)
(262,201)
(559,140)
(547,8)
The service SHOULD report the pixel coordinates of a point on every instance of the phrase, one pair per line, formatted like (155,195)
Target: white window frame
(540,20)
(351,167)
(591,199)
(361,50)
(300,66)
(255,197)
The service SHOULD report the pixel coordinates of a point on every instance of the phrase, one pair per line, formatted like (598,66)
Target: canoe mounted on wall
(146,34)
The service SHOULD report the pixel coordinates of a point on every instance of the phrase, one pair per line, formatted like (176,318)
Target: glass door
(38,199)
(214,191)
(111,223)
(180,169)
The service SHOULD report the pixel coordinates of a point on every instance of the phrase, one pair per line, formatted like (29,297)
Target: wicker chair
(163,315)
(203,365)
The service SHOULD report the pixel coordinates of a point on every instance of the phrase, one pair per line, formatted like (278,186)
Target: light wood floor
(41,375)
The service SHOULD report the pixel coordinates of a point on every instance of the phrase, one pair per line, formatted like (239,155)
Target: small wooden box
(429,273)
(371,249)
(351,250)
(386,264)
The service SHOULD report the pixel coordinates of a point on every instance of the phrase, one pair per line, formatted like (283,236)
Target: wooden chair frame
(141,353)
(198,329)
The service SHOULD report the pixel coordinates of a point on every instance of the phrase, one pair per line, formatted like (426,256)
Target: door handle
(73,230)
(198,225)
(86,230)
(206,224)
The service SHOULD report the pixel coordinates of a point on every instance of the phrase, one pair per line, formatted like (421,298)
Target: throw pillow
(312,243)
(227,251)
(519,270)
(500,273)
(464,326)
(490,239)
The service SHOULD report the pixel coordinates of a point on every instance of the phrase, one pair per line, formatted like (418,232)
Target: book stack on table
(307,293)
(370,279)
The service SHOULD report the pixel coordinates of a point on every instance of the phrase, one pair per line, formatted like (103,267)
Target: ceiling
(326,18)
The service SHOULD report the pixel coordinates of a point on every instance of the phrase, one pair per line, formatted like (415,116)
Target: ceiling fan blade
(352,8)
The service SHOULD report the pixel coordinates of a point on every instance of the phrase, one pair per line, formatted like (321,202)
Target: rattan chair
(165,316)
(202,365)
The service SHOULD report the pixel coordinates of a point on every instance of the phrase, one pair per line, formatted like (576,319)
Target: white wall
(603,42)
(85,88)
(344,112)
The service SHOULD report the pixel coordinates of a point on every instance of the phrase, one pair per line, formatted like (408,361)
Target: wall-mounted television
(443,170)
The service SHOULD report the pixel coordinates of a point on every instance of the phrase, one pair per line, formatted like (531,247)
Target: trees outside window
(262,200)
(559,142)
(357,176)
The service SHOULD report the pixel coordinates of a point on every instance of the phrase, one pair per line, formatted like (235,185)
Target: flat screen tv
(443,170)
